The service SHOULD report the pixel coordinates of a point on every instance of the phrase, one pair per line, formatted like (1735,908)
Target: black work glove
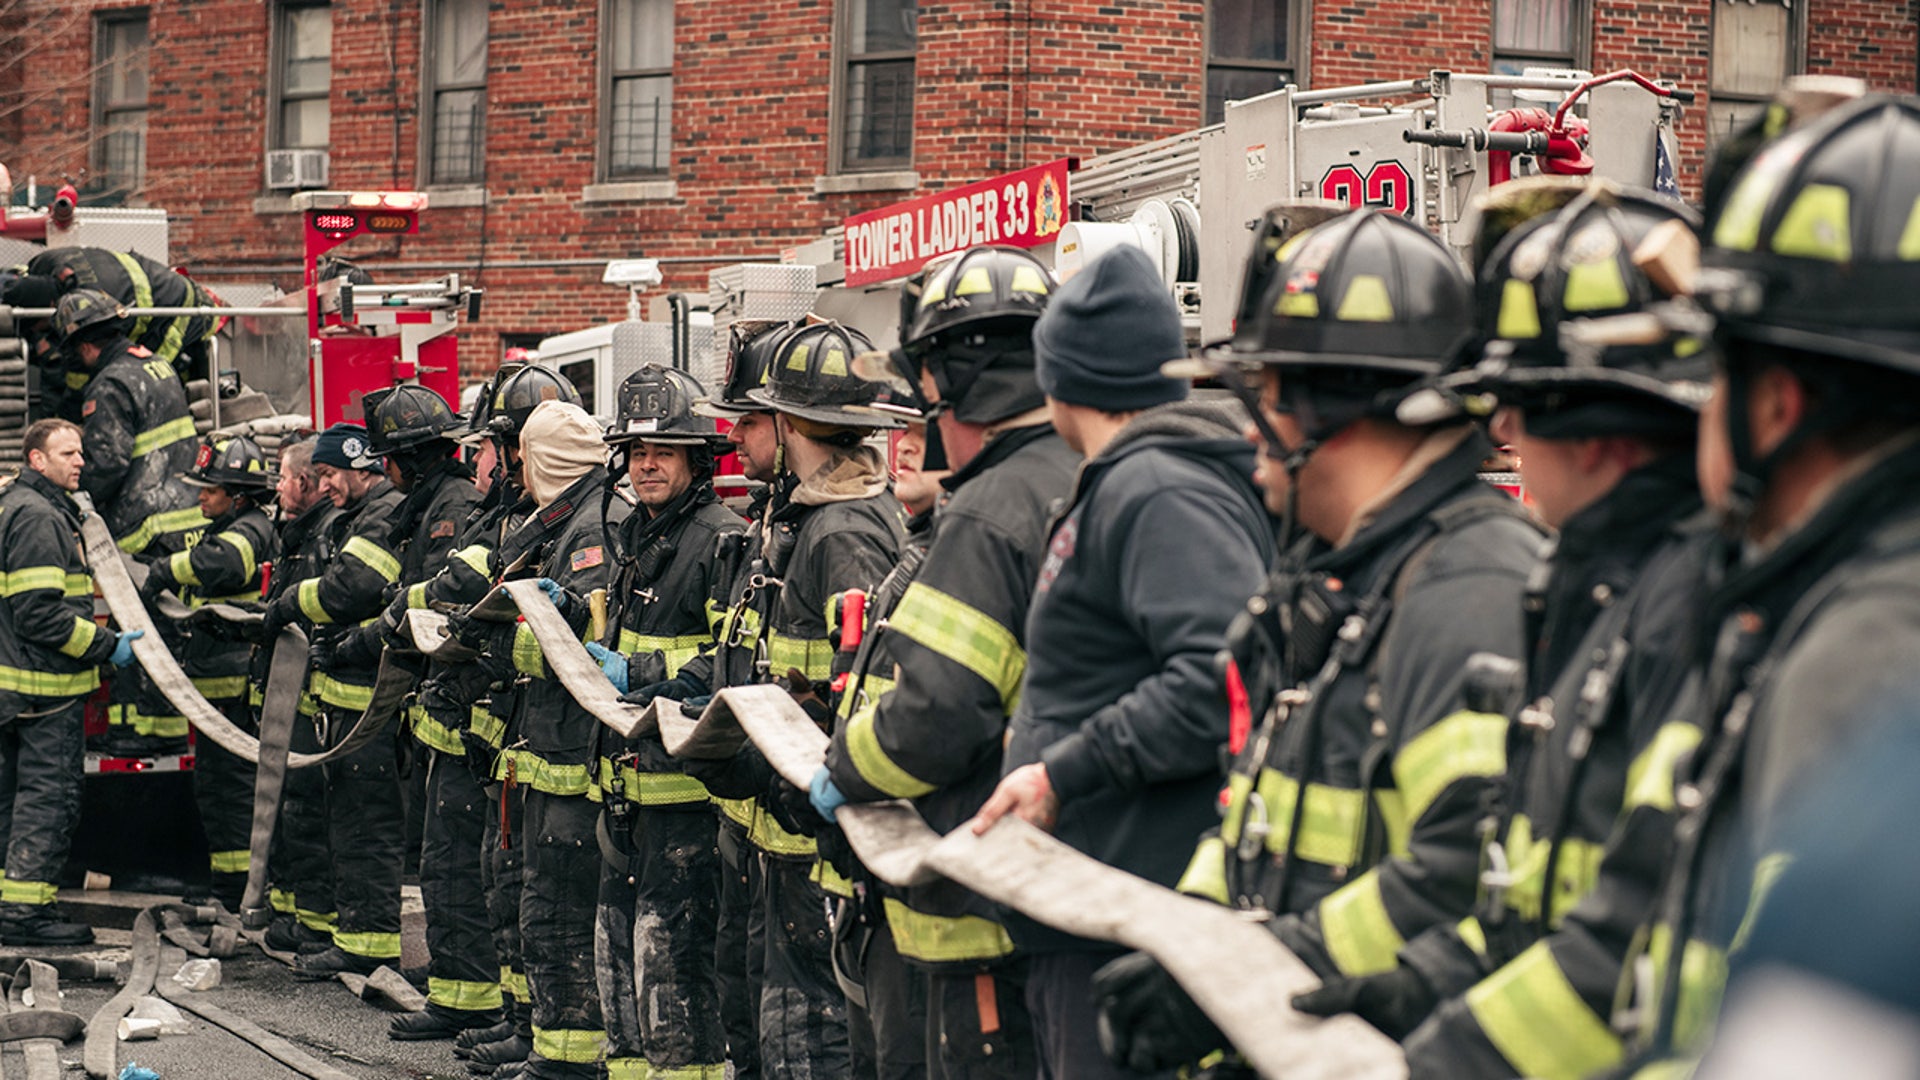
(792,809)
(1147,1022)
(278,614)
(678,688)
(358,648)
(745,775)
(323,652)
(157,581)
(834,848)
(1394,1001)
(808,695)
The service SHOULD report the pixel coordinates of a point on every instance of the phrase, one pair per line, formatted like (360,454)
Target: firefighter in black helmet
(658,908)
(935,736)
(1810,453)
(235,483)
(1394,617)
(831,526)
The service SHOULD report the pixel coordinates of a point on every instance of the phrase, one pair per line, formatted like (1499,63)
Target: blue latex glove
(123,648)
(825,795)
(554,592)
(612,664)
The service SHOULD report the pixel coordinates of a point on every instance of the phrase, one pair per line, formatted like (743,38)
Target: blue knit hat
(345,446)
(1103,337)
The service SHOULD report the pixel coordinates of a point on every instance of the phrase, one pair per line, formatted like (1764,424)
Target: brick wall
(1002,84)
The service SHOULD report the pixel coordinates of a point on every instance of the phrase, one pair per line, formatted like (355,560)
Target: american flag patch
(586,557)
(440,531)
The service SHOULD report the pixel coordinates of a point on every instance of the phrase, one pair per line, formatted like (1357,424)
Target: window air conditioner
(290,169)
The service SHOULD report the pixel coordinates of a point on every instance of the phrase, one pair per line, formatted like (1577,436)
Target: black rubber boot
(330,962)
(464,1042)
(288,934)
(437,1023)
(489,1056)
(44,927)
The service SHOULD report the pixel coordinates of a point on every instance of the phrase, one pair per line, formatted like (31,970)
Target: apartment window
(1536,33)
(456,104)
(1250,50)
(638,97)
(302,73)
(120,99)
(876,83)
(1755,47)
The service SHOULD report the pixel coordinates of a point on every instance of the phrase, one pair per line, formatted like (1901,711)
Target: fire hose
(1013,864)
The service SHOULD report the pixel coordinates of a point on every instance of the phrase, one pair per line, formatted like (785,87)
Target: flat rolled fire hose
(391,686)
(42,983)
(1235,969)
(280,707)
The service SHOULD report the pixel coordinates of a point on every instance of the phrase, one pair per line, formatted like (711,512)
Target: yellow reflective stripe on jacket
(831,881)
(540,774)
(146,723)
(78,380)
(176,430)
(78,642)
(142,291)
(870,758)
(939,939)
(376,558)
(249,561)
(228,862)
(675,650)
(173,340)
(812,656)
(374,945)
(430,732)
(417,596)
(476,557)
(80,584)
(569,1045)
(1703,977)
(1650,777)
(515,983)
(308,594)
(1667,1070)
(965,635)
(649,789)
(340,693)
(762,831)
(1472,935)
(49,684)
(1206,873)
(1576,869)
(223,687)
(1332,826)
(27,892)
(1766,874)
(462,995)
(491,729)
(1359,934)
(528,657)
(162,524)
(1461,745)
(1539,1022)
(15,582)
(181,566)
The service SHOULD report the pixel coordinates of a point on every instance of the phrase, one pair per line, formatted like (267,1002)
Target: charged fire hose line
(1013,864)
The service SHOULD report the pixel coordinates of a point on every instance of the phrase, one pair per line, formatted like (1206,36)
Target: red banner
(1022,209)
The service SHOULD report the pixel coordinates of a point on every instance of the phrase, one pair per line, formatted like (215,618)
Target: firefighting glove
(358,648)
(826,796)
(555,592)
(682,688)
(277,616)
(808,697)
(612,664)
(790,808)
(123,647)
(746,775)
(1147,1023)
(1394,1001)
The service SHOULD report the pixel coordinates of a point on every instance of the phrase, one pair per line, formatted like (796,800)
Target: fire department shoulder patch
(587,557)
(440,531)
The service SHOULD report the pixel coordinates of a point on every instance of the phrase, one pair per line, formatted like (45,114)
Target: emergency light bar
(362,200)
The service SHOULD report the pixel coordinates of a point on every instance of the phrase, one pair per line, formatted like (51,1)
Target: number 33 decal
(1385,185)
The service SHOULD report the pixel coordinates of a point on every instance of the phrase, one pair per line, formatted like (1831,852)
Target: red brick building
(554,135)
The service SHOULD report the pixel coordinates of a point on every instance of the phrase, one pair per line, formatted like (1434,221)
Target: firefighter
(1115,741)
(916,486)
(224,566)
(1604,439)
(1810,452)
(659,892)
(299,863)
(1391,627)
(50,652)
(365,819)
(953,651)
(140,441)
(550,758)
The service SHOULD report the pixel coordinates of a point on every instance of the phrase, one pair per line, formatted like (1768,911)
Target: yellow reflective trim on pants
(1538,1021)
(676,651)
(430,732)
(221,687)
(573,1046)
(1461,745)
(308,594)
(322,922)
(179,429)
(650,789)
(340,693)
(514,983)
(376,558)
(629,1069)
(1206,873)
(964,634)
(872,762)
(1359,934)
(937,939)
(15,582)
(812,656)
(528,658)
(163,524)
(142,291)
(374,945)
(542,775)
(690,1072)
(78,642)
(27,892)
(280,900)
(229,862)
(1650,777)
(464,996)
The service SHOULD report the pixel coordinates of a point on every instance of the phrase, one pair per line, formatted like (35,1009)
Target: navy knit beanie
(344,446)
(1105,333)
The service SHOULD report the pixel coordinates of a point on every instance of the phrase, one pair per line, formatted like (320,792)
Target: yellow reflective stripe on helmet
(1650,777)
(228,862)
(376,558)
(872,762)
(675,650)
(308,594)
(1538,1021)
(27,892)
(1462,745)
(1206,873)
(1595,286)
(1519,311)
(1818,225)
(181,566)
(812,656)
(221,687)
(430,732)
(1741,216)
(462,995)
(975,281)
(476,558)
(939,939)
(528,657)
(515,983)
(1365,300)
(162,524)
(570,1045)
(340,693)
(78,642)
(1299,305)
(369,944)
(965,635)
(49,684)
(173,431)
(1360,935)
(142,291)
